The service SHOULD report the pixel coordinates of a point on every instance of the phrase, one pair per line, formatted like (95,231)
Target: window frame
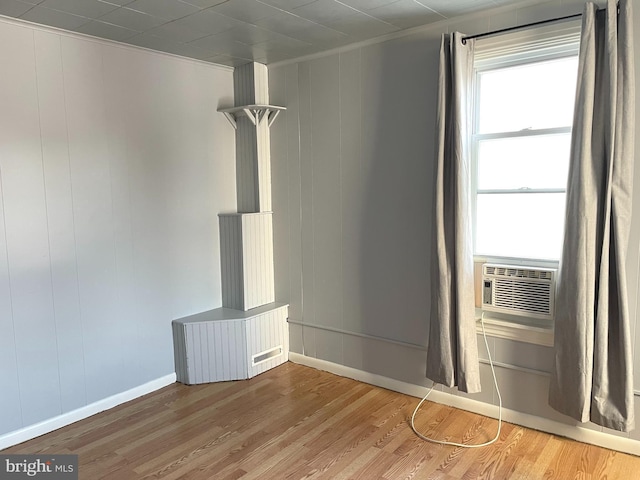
(549,42)
(564,46)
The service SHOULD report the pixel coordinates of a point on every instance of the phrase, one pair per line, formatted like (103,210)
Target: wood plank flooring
(295,422)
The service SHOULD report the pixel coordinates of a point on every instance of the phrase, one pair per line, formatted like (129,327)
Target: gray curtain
(592,377)
(452,355)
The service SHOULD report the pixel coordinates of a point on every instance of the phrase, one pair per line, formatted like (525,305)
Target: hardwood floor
(295,422)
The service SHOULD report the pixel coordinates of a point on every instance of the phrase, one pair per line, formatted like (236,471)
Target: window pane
(521,225)
(539,95)
(539,161)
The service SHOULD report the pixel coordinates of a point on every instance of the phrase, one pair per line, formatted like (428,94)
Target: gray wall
(352,166)
(113,167)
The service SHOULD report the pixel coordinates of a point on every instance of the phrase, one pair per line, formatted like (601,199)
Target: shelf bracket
(255,113)
(232,119)
(272,116)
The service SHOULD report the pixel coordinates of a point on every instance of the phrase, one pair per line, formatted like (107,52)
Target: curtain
(592,377)
(452,351)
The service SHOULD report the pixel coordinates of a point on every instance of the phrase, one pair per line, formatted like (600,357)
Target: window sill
(515,331)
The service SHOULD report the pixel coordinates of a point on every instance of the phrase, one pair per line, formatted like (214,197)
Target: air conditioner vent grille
(519,291)
(518,272)
(524,296)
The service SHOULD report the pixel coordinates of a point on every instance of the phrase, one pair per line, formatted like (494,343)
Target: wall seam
(6,248)
(340,183)
(46,210)
(73,219)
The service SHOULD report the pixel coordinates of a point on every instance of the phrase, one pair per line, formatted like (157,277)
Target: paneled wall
(352,166)
(113,168)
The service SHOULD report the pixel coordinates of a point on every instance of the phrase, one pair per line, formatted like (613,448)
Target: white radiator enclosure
(227,344)
(246,254)
(249,334)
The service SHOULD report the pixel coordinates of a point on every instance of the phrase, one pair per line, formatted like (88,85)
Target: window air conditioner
(522,291)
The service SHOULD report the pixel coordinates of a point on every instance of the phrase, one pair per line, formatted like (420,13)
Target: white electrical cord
(495,382)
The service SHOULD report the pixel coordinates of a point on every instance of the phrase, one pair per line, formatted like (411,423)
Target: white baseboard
(51,424)
(586,435)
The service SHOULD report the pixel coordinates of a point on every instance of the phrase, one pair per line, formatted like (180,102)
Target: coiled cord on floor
(495,382)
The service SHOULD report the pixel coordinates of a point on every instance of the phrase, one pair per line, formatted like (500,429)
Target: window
(524,94)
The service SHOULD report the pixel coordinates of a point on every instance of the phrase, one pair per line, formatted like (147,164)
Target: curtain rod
(518,27)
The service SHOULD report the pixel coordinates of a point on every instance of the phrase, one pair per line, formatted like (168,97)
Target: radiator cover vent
(521,291)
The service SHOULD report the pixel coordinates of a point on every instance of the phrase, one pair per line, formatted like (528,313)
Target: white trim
(83,36)
(538,132)
(534,44)
(531,371)
(581,434)
(440,25)
(515,331)
(357,334)
(493,327)
(516,262)
(51,424)
(507,330)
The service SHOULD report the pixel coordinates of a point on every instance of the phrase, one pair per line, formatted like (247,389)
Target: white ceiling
(234,32)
